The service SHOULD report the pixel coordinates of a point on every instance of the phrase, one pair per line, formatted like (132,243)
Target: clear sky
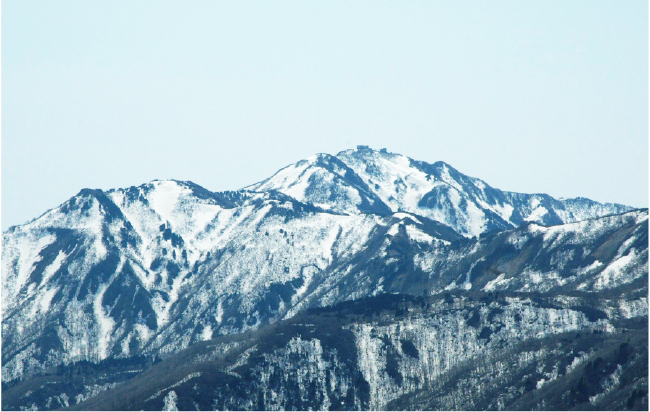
(530,96)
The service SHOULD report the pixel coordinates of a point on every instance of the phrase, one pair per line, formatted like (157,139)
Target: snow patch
(105,323)
(499,281)
(401,215)
(419,236)
(207,332)
(53,267)
(164,199)
(170,402)
(46,299)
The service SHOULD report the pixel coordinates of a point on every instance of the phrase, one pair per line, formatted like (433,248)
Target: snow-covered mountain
(379,182)
(393,352)
(121,276)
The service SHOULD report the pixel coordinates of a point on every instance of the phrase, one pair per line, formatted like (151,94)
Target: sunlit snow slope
(153,269)
(157,267)
(369,181)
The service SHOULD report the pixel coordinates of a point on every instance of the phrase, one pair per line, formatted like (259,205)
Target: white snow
(27,253)
(401,215)
(104,323)
(164,200)
(418,235)
(177,384)
(220,312)
(297,188)
(394,230)
(476,219)
(207,332)
(537,214)
(46,299)
(53,267)
(170,402)
(614,272)
(505,211)
(498,281)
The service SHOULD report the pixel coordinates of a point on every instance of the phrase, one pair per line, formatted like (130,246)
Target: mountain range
(365,280)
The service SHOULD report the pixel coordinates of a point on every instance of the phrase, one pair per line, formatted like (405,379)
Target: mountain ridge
(153,269)
(436,190)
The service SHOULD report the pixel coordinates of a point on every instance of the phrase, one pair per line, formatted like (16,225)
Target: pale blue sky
(534,96)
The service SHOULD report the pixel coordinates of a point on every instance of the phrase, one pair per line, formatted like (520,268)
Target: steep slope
(460,351)
(602,254)
(325,181)
(238,291)
(100,288)
(155,268)
(365,180)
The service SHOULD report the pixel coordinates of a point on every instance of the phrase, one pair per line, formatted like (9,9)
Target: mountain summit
(380,182)
(98,289)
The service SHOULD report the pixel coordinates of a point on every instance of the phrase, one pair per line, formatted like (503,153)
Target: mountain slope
(400,255)
(369,181)
(112,281)
(601,254)
(460,351)
(111,274)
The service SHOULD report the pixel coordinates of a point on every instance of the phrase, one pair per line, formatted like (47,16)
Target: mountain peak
(365,180)
(126,274)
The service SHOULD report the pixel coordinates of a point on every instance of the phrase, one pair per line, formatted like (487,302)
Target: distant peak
(361,151)
(171,182)
(165,181)
(318,156)
(90,192)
